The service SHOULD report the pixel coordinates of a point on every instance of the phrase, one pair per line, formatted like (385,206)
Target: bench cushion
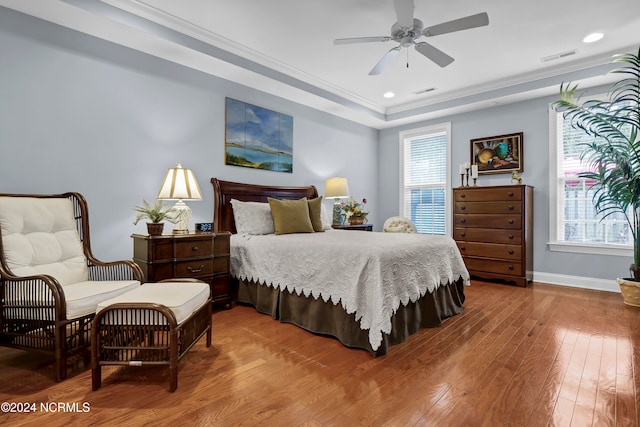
(182,298)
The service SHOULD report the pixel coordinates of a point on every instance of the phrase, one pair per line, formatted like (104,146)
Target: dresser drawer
(507,221)
(513,237)
(193,268)
(193,248)
(490,250)
(487,194)
(493,266)
(488,207)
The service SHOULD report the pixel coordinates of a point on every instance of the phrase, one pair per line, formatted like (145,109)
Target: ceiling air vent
(420,92)
(559,55)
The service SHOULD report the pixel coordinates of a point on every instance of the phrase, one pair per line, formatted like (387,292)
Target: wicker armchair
(50,282)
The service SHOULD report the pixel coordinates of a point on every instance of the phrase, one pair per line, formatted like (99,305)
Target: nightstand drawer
(193,268)
(194,248)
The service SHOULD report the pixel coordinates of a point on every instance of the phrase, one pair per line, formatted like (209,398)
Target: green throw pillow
(290,216)
(315,207)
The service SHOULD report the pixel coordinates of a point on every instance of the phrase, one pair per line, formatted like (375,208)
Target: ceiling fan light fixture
(593,37)
(389,94)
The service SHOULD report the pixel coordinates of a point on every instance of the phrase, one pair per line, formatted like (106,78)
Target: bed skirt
(316,316)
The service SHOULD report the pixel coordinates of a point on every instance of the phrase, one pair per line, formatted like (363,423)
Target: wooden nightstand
(203,256)
(361,227)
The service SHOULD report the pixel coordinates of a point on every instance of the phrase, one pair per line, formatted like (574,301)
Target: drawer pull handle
(462,248)
(510,267)
(510,251)
(196,270)
(511,236)
(510,221)
(462,208)
(462,220)
(510,194)
(462,196)
(195,248)
(463,234)
(510,207)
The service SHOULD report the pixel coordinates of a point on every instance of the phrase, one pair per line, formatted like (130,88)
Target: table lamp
(336,188)
(180,184)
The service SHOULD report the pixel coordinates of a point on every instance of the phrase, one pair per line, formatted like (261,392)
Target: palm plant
(154,212)
(613,156)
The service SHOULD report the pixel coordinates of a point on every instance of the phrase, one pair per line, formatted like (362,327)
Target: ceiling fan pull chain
(407,58)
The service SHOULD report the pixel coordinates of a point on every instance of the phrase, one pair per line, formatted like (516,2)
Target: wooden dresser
(493,227)
(203,256)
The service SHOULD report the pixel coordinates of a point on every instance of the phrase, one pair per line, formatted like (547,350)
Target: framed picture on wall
(498,154)
(258,138)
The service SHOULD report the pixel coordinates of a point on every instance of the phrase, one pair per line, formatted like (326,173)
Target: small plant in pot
(156,213)
(613,156)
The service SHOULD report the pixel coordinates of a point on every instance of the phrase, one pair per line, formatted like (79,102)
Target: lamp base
(337,213)
(182,216)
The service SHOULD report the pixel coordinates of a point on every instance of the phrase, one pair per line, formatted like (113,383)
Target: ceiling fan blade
(362,40)
(434,54)
(473,21)
(404,12)
(386,59)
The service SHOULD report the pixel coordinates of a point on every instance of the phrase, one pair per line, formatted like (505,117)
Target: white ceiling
(285,47)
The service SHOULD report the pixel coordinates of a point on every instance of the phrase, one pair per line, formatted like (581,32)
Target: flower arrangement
(354,209)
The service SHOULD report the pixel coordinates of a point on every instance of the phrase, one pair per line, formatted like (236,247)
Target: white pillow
(252,217)
(324,217)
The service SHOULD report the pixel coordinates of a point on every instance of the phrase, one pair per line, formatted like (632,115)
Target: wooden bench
(155,324)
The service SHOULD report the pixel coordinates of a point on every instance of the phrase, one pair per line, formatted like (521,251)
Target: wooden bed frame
(315,315)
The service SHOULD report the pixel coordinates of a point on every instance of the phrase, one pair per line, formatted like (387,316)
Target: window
(424,192)
(574,224)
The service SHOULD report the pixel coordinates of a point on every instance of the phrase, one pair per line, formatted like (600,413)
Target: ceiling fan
(408,29)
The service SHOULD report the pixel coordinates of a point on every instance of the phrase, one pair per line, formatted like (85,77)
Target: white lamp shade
(179,184)
(336,188)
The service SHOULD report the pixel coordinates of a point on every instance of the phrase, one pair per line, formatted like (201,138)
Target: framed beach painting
(498,154)
(256,137)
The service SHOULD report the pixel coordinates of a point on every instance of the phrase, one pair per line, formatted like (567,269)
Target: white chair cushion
(182,298)
(39,236)
(398,224)
(83,297)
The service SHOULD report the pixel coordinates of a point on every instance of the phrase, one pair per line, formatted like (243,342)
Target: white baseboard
(609,285)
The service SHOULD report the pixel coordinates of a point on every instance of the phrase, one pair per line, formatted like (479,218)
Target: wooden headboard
(224,191)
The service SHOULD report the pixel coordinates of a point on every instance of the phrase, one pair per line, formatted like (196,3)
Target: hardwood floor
(536,356)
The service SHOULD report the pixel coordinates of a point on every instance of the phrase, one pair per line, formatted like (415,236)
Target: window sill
(595,249)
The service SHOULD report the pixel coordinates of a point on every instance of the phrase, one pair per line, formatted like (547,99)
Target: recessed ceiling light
(593,37)
(389,94)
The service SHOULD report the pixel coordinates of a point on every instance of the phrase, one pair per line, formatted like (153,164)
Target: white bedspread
(368,273)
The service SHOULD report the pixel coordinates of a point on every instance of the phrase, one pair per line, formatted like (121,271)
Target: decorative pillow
(315,208)
(324,216)
(252,217)
(290,216)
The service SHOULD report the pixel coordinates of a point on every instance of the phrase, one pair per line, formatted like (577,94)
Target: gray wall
(531,118)
(81,114)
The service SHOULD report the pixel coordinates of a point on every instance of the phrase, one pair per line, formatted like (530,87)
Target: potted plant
(156,214)
(354,211)
(613,156)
